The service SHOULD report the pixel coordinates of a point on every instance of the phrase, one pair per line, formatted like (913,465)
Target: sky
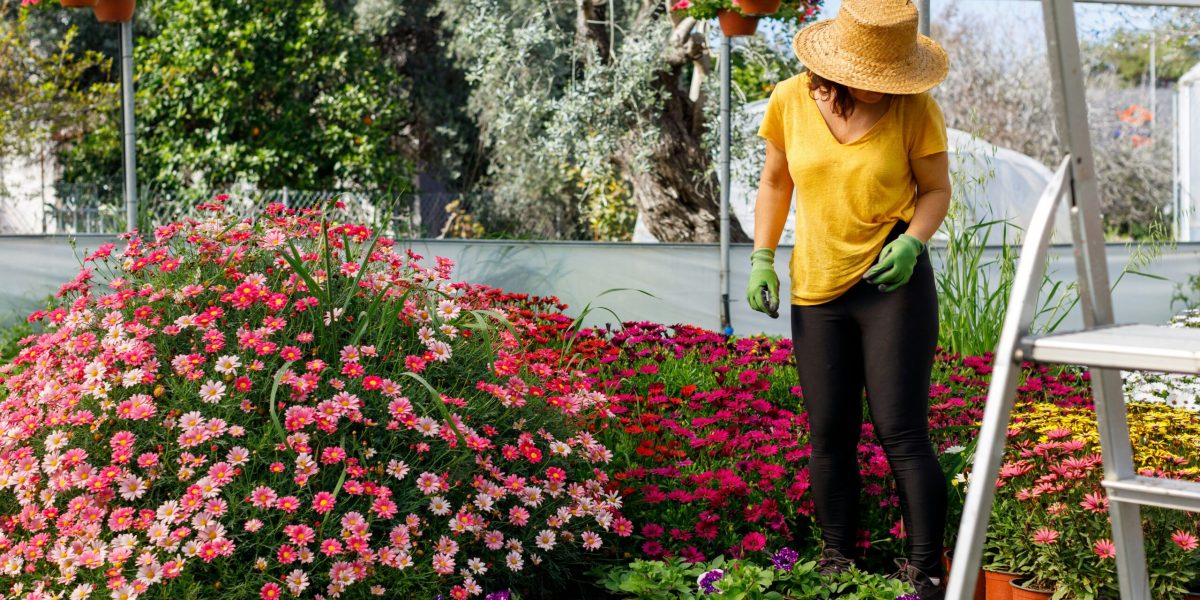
(1092,19)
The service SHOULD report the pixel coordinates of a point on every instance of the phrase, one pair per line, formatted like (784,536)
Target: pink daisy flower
(1186,541)
(269,591)
(1045,535)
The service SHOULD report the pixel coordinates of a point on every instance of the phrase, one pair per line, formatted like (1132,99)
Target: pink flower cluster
(302,407)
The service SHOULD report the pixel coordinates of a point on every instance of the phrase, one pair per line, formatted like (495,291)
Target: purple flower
(785,559)
(501,595)
(908,597)
(708,580)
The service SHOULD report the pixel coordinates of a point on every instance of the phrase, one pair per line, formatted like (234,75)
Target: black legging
(885,340)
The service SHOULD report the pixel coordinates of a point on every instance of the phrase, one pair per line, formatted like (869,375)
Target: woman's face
(866,97)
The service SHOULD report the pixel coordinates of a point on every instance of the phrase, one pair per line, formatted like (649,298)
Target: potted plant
(1172,552)
(740,17)
(1022,591)
(113,11)
(1052,510)
(1003,560)
(759,8)
(77,3)
(735,24)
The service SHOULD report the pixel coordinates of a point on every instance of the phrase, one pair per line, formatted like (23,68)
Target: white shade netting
(991,184)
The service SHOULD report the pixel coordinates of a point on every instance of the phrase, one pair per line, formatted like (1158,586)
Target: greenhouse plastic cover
(1011,185)
(663,283)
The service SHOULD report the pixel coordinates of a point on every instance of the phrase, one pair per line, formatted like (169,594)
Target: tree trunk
(677,196)
(678,202)
(590,27)
(674,190)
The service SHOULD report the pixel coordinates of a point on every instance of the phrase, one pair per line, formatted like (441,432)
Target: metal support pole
(1153,81)
(923,16)
(1176,205)
(131,200)
(726,79)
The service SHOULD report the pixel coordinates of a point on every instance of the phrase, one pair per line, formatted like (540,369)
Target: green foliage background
(44,86)
(279,93)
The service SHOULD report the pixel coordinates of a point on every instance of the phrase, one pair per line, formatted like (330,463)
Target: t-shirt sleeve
(927,129)
(772,123)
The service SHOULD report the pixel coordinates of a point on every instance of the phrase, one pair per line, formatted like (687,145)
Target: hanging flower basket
(113,11)
(735,24)
(760,8)
(77,3)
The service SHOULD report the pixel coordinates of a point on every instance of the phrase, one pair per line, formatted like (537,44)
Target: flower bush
(1051,514)
(291,407)
(710,443)
(796,12)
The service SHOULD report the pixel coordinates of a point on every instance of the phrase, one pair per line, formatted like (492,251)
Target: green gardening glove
(762,275)
(896,263)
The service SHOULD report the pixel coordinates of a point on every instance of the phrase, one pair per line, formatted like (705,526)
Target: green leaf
(441,406)
(274,391)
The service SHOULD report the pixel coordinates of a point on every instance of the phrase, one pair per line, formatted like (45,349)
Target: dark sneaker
(927,588)
(833,562)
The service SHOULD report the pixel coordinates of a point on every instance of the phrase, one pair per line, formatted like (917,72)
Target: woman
(864,148)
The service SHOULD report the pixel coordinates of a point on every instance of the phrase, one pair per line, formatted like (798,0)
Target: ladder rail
(1072,125)
(1095,295)
(989,449)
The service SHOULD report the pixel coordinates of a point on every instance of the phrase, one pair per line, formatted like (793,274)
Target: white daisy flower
(513,561)
(545,540)
(439,506)
(227,364)
(212,391)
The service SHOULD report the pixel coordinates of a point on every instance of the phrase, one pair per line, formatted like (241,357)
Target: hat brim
(922,69)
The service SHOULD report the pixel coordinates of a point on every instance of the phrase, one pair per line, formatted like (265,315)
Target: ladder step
(1154,491)
(1129,347)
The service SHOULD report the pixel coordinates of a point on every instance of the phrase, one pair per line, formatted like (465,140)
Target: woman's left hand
(896,263)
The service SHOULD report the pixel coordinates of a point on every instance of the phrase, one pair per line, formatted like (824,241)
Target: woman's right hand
(762,275)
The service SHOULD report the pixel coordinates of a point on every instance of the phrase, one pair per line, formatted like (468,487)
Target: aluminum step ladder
(1102,346)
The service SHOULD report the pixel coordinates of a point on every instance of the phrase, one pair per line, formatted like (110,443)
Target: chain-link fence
(100,208)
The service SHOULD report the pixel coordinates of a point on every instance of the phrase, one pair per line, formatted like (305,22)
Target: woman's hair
(842,101)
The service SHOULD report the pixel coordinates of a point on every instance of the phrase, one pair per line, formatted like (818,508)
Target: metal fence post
(131,199)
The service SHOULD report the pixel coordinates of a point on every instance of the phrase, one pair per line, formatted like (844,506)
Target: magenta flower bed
(710,442)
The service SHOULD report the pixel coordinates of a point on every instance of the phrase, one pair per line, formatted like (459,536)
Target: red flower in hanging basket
(797,12)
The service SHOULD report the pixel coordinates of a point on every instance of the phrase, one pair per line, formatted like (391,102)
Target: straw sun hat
(873,45)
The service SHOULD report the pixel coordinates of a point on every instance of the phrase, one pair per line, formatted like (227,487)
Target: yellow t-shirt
(848,196)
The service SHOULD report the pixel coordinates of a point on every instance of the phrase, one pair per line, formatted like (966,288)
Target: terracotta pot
(113,11)
(1020,592)
(1191,596)
(998,584)
(734,24)
(760,8)
(979,581)
(77,3)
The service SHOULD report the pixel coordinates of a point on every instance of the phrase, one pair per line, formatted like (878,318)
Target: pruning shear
(772,305)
